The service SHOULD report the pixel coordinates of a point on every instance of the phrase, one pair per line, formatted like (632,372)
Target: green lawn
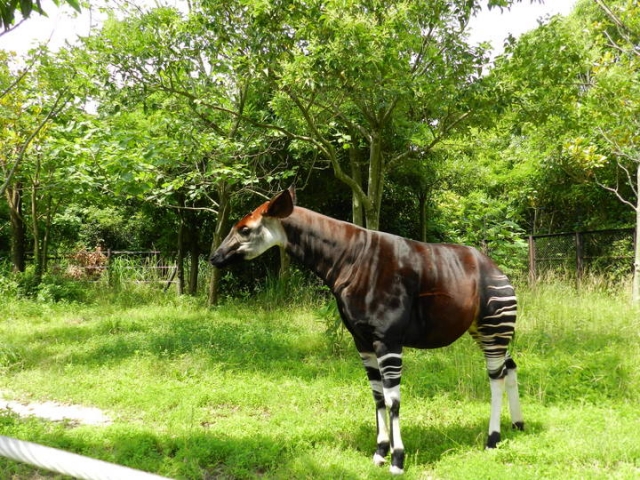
(243,391)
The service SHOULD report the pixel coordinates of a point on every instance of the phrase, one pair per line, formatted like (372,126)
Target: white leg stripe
(502,299)
(383,424)
(500,315)
(503,287)
(389,355)
(511,308)
(369,360)
(511,382)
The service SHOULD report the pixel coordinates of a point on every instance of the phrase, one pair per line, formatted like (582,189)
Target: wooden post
(109,273)
(579,257)
(532,261)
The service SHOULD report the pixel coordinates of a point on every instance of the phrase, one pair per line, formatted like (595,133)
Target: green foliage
(490,225)
(50,288)
(167,118)
(338,337)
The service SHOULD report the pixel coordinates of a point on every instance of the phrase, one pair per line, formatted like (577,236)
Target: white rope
(69,463)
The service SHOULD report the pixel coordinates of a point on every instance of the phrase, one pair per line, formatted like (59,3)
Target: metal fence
(149,266)
(608,252)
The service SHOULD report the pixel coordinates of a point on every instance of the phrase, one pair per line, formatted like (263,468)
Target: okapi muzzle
(227,254)
(255,233)
(392,293)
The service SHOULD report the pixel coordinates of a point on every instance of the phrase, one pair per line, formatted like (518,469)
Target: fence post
(109,282)
(532,260)
(579,257)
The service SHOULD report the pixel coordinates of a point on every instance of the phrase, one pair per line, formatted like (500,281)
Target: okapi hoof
(397,462)
(396,470)
(381,452)
(378,460)
(518,425)
(493,440)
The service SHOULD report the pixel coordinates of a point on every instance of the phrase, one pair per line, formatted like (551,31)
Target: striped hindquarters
(496,323)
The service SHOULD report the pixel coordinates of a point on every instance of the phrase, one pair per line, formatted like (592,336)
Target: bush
(49,288)
(54,288)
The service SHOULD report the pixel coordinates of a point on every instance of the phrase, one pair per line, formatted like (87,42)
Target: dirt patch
(57,412)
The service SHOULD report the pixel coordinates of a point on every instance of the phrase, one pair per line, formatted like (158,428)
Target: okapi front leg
(375,379)
(390,363)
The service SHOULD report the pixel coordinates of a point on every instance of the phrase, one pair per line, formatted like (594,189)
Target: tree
(190,73)
(570,120)
(29,108)
(370,85)
(612,107)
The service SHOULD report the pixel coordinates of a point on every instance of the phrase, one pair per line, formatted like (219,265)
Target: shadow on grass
(204,455)
(425,445)
(251,345)
(190,457)
(244,339)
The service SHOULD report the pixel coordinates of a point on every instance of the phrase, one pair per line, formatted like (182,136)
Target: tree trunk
(635,291)
(376,182)
(218,237)
(194,256)
(356,173)
(285,265)
(422,207)
(180,255)
(51,211)
(35,230)
(18,229)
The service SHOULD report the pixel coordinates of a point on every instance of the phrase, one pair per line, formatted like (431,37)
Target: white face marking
(255,238)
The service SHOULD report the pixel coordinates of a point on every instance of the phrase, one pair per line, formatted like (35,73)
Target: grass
(243,391)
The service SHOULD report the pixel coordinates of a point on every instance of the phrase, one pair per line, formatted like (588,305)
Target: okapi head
(256,232)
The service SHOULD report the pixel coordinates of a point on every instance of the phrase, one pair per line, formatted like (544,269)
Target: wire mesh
(605,252)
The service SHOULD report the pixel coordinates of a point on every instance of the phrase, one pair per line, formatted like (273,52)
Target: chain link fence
(602,252)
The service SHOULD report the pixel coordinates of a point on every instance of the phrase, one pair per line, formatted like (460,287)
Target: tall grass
(255,389)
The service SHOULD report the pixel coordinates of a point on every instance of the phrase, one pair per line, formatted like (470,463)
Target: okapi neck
(320,242)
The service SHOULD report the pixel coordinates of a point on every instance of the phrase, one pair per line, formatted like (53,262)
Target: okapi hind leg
(493,331)
(511,383)
(504,377)
(497,391)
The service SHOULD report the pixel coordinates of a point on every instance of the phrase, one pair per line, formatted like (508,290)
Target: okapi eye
(245,231)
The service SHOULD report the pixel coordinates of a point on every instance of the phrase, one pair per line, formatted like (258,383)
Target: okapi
(393,293)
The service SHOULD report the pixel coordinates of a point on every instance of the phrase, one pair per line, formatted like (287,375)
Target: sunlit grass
(244,391)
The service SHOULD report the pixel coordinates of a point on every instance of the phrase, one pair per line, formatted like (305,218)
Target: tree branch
(12,27)
(622,28)
(617,194)
(55,109)
(329,151)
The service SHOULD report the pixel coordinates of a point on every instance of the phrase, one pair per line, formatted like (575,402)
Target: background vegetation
(163,125)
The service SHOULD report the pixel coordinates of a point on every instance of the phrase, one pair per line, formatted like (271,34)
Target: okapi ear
(281,205)
(292,192)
